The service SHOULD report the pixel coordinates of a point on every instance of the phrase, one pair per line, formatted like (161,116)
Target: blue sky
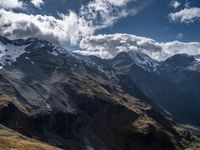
(159,28)
(153,22)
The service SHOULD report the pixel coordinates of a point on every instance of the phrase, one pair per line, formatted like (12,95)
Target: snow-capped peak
(143,60)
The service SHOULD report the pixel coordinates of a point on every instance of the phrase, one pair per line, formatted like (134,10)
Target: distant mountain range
(75,102)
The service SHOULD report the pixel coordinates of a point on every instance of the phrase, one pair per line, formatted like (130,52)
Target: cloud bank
(20,25)
(187,15)
(108,46)
(71,27)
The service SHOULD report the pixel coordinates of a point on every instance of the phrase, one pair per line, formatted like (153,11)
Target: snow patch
(9,53)
(27,58)
(197,58)
(143,60)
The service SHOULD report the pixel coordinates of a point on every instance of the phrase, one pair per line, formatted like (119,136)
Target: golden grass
(195,146)
(11,140)
(11,143)
(5,100)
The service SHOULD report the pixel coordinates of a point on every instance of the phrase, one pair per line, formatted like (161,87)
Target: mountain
(80,102)
(180,60)
(172,84)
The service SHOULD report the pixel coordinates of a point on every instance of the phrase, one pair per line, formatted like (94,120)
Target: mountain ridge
(79,102)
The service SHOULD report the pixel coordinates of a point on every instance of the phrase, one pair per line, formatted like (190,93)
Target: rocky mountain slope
(81,103)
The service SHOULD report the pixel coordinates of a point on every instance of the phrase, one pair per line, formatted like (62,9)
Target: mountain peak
(10,50)
(137,58)
(181,60)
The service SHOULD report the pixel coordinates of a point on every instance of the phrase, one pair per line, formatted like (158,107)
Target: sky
(159,28)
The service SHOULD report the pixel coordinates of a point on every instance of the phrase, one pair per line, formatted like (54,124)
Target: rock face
(78,102)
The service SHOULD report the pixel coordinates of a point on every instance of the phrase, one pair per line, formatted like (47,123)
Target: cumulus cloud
(71,27)
(10,4)
(176,47)
(187,15)
(37,3)
(20,25)
(108,46)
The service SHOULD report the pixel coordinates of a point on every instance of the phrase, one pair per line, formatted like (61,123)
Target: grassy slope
(11,140)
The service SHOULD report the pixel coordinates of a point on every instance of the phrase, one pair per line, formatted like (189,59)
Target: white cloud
(104,13)
(67,28)
(10,4)
(187,15)
(108,46)
(71,27)
(179,36)
(175,4)
(37,3)
(118,2)
(176,47)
